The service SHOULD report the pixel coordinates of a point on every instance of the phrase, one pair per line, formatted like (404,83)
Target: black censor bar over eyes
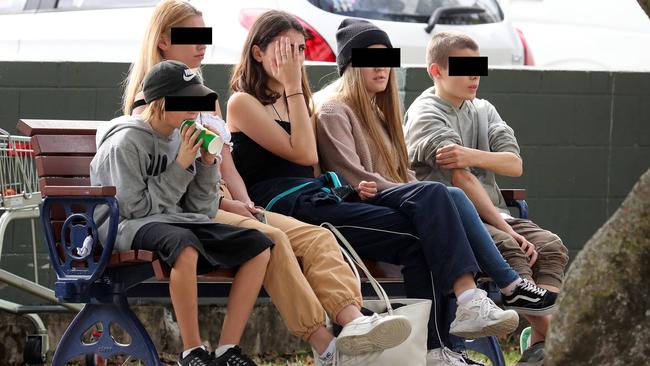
(375,57)
(192,35)
(190,104)
(468,66)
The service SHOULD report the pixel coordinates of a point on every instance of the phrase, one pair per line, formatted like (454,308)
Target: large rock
(604,309)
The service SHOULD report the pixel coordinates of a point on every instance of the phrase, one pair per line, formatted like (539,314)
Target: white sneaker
(444,357)
(373,334)
(482,318)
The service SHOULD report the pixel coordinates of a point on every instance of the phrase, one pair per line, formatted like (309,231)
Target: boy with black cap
(167,197)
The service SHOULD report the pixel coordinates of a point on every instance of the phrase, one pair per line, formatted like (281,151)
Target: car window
(102,4)
(412,11)
(12,6)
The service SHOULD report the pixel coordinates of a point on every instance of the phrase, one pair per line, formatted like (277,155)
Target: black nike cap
(172,78)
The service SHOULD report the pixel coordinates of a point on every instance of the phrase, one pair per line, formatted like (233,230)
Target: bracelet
(291,95)
(219,201)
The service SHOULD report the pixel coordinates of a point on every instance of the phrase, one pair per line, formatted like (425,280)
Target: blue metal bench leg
(488,346)
(118,312)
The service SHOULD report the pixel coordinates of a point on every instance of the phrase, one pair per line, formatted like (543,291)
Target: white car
(585,34)
(110,30)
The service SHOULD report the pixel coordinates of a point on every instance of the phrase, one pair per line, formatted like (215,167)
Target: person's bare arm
(455,156)
(232,178)
(502,163)
(465,180)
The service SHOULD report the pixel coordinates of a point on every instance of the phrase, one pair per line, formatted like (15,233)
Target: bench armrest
(514,194)
(92,191)
(516,198)
(74,246)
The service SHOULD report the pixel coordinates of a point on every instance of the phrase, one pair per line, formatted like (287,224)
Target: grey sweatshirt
(151,186)
(431,123)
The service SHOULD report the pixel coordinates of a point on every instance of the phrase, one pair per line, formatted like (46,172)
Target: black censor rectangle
(191,104)
(375,57)
(468,66)
(191,35)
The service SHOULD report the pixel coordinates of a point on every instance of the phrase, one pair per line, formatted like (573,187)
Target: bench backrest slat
(64,145)
(63,166)
(63,181)
(31,127)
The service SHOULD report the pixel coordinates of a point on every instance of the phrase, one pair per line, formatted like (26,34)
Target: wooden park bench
(103,279)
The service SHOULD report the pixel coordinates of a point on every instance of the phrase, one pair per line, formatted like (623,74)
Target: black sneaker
(533,355)
(233,357)
(529,299)
(198,357)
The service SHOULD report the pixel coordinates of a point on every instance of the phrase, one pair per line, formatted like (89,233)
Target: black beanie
(356,33)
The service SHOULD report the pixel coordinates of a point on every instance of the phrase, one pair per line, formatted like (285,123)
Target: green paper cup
(212,142)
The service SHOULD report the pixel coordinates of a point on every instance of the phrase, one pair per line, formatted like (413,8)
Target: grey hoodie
(432,122)
(151,186)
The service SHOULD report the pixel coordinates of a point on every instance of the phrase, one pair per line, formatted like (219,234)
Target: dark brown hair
(249,75)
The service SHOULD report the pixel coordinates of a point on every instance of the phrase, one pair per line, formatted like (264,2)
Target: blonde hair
(442,44)
(381,112)
(166,15)
(154,111)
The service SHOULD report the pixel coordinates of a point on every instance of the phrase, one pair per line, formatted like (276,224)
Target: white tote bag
(413,351)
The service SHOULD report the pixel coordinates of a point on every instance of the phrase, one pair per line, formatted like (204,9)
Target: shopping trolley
(20,199)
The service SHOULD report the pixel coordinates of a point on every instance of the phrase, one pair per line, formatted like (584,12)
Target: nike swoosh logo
(523,298)
(189,75)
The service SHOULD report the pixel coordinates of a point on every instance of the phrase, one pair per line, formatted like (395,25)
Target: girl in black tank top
(256,164)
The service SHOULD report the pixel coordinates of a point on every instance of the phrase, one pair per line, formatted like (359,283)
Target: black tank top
(256,164)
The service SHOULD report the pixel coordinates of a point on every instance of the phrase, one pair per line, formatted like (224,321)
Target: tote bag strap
(353,258)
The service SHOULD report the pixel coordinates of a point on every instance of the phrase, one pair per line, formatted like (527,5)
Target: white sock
(466,296)
(511,287)
(188,351)
(222,349)
(328,354)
